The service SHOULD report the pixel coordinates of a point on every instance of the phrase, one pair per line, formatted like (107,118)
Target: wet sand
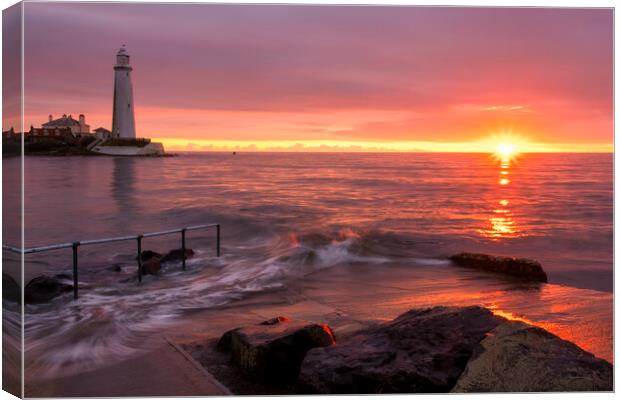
(349,298)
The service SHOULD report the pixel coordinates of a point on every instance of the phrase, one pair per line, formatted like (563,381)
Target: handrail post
(218,239)
(74,246)
(139,239)
(183,247)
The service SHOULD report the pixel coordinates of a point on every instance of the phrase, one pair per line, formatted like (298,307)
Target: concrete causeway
(165,371)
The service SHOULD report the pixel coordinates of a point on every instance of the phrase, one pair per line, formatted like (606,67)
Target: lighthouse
(123,123)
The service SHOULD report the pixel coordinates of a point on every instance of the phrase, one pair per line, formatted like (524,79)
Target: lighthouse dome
(122,58)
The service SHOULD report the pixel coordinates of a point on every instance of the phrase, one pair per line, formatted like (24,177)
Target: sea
(285,215)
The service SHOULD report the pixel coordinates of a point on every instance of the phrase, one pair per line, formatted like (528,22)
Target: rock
(116,267)
(152,260)
(45,288)
(528,270)
(11,291)
(423,350)
(276,320)
(148,254)
(177,255)
(517,357)
(273,350)
(152,266)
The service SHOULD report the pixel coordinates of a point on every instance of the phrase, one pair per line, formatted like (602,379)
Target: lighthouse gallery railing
(138,238)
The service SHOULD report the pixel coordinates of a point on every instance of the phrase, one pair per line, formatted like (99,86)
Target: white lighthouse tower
(123,123)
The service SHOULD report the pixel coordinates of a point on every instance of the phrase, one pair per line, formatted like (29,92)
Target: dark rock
(148,254)
(177,255)
(152,266)
(516,357)
(152,261)
(521,268)
(276,320)
(423,350)
(11,291)
(116,268)
(45,288)
(273,350)
(225,342)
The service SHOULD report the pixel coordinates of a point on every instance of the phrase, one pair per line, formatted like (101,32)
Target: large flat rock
(517,357)
(423,350)
(519,268)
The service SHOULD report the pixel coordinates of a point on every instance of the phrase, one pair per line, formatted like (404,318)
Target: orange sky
(223,77)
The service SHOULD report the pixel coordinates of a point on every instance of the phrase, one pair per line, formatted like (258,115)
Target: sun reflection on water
(515,317)
(501,224)
(504,181)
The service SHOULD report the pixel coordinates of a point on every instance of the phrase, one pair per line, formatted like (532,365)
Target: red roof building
(78,127)
(42,134)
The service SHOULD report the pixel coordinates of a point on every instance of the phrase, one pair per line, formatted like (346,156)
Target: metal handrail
(138,238)
(11,248)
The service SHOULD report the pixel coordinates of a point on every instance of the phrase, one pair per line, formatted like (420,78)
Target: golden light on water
(501,223)
(514,317)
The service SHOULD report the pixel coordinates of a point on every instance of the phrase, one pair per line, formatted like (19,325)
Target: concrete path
(165,371)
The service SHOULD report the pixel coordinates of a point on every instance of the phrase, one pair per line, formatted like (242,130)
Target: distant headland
(66,136)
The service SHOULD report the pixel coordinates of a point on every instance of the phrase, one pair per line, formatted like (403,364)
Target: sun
(506,150)
(506,145)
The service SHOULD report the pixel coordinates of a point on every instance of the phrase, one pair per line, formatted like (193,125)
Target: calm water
(286,215)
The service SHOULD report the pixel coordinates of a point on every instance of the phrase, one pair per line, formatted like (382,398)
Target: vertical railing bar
(218,239)
(75,269)
(183,247)
(139,239)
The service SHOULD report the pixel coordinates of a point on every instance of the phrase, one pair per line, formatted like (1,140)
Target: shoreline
(94,154)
